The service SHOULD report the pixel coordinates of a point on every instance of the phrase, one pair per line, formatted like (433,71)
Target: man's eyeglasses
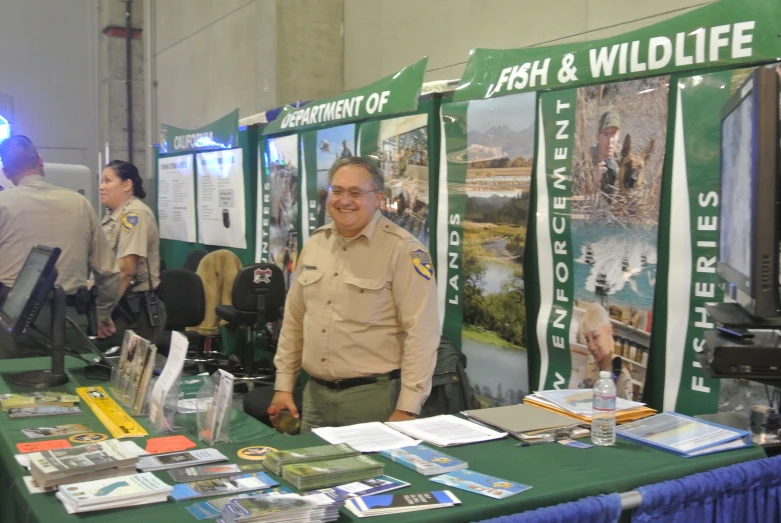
(353,194)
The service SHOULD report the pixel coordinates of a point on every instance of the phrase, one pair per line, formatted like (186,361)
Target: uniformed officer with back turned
(132,232)
(37,212)
(361,315)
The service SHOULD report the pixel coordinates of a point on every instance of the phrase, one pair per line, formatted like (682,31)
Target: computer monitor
(30,291)
(749,235)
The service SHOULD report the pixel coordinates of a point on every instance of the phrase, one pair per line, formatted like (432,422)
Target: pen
(530,443)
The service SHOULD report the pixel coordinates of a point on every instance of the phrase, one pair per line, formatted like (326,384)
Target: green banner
(452,180)
(555,249)
(719,34)
(222,133)
(394,94)
(692,239)
(278,190)
(600,161)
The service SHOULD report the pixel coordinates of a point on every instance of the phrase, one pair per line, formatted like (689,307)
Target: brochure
(212,509)
(214,487)
(472,481)
(425,460)
(180,459)
(399,503)
(683,435)
(58,430)
(364,487)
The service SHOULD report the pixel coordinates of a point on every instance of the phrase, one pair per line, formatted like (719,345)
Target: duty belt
(355,382)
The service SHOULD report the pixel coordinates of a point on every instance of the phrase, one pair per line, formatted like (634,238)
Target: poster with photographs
(320,150)
(598,252)
(278,189)
(490,153)
(399,148)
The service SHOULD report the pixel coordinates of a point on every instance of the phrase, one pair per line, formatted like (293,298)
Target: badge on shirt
(129,220)
(421,261)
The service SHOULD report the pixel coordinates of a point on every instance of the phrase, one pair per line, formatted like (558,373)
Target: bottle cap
(605,374)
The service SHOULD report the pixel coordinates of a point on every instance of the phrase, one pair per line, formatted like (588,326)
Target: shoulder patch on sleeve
(421,261)
(129,220)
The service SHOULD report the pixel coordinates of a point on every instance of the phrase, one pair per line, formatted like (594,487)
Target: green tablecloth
(556,473)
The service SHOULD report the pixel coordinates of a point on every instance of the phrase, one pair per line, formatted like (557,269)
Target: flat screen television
(749,233)
(30,291)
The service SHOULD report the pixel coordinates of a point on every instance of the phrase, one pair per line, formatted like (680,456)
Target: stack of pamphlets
(683,435)
(425,460)
(364,487)
(124,491)
(180,459)
(322,474)
(38,399)
(187,474)
(132,377)
(446,430)
(37,412)
(59,430)
(212,508)
(576,403)
(103,459)
(217,486)
(472,481)
(276,460)
(281,508)
(399,503)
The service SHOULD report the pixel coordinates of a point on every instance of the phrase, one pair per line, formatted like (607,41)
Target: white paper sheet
(171,372)
(221,217)
(446,430)
(176,198)
(366,437)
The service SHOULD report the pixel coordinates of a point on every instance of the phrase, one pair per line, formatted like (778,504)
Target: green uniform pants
(324,407)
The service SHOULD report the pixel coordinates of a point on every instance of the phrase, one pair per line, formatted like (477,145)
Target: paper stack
(180,459)
(446,430)
(399,503)
(281,508)
(320,474)
(104,459)
(425,460)
(216,486)
(276,460)
(124,491)
(576,403)
(38,399)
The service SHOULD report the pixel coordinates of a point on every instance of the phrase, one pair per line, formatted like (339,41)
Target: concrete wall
(381,36)
(214,56)
(49,82)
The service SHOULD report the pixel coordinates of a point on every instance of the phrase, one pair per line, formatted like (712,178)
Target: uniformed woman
(131,229)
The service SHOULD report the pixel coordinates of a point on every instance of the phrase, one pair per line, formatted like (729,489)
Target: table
(557,473)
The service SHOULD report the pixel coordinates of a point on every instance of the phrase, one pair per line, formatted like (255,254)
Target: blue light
(5,128)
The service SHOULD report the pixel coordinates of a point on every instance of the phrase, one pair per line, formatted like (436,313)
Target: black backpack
(450,391)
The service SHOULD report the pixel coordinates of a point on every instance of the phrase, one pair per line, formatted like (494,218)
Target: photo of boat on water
(500,155)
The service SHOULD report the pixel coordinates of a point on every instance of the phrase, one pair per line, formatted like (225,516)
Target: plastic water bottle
(603,415)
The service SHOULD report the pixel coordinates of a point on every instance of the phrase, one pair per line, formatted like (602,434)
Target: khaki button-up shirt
(132,229)
(37,212)
(362,306)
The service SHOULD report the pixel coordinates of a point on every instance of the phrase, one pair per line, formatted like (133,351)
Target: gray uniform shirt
(37,212)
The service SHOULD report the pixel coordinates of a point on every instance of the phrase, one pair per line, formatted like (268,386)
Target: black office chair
(185,304)
(193,260)
(258,297)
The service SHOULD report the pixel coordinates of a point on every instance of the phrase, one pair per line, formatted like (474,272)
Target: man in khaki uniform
(361,315)
(37,212)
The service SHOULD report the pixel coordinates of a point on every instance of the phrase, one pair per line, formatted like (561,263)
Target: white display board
(221,217)
(176,198)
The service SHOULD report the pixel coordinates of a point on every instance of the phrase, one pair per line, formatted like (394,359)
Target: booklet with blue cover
(212,509)
(683,435)
(365,487)
(425,460)
(472,481)
(217,486)
(397,503)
